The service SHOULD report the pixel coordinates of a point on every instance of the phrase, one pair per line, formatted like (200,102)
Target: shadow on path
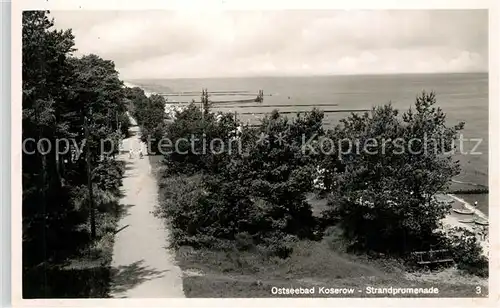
(128,166)
(126,277)
(123,210)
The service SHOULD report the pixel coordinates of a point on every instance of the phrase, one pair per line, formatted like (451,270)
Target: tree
(191,135)
(152,121)
(46,73)
(385,198)
(149,113)
(58,91)
(275,175)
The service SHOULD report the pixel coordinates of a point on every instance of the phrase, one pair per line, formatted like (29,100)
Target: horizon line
(310,75)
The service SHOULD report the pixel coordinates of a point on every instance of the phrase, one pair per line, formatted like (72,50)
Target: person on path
(130,152)
(140,153)
(475,208)
(485,233)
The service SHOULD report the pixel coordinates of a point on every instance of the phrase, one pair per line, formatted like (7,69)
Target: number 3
(478,290)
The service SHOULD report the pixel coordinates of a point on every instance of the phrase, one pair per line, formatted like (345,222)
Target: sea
(462,96)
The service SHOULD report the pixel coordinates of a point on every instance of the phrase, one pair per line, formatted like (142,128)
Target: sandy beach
(456,220)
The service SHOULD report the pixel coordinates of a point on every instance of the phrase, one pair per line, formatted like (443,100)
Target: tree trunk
(89,182)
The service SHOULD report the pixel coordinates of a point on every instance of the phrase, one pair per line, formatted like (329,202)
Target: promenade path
(142,266)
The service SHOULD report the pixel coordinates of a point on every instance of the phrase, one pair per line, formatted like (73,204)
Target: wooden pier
(258,97)
(302,111)
(233,105)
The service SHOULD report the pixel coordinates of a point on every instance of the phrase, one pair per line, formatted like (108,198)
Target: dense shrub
(467,252)
(254,196)
(197,220)
(180,205)
(334,238)
(269,182)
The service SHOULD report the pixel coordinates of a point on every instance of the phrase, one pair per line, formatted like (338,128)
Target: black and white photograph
(305,153)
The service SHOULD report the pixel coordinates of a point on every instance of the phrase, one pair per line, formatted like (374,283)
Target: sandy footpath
(142,265)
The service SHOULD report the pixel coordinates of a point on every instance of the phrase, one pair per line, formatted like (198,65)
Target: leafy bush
(279,244)
(108,174)
(244,241)
(266,185)
(334,238)
(193,218)
(253,197)
(467,252)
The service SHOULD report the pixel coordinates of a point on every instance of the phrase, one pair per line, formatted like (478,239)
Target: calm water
(463,97)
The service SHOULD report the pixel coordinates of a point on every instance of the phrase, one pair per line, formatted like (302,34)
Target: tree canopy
(68,104)
(385,197)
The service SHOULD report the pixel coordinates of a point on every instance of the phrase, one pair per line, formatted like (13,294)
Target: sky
(199,44)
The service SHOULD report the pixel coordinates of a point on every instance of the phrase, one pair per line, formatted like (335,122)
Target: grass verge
(210,273)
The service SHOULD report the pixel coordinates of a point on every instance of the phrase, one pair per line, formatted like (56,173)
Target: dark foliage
(59,91)
(385,197)
(149,113)
(467,252)
(258,189)
(191,149)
